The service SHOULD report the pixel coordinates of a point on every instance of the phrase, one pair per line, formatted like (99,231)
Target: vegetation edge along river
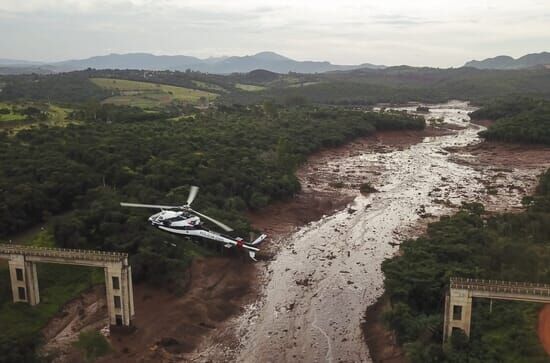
(243,157)
(474,243)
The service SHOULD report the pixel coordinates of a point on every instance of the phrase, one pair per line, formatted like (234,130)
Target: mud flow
(324,275)
(306,300)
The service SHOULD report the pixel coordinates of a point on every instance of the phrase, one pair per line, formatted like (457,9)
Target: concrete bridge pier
(458,312)
(119,293)
(458,301)
(24,280)
(22,262)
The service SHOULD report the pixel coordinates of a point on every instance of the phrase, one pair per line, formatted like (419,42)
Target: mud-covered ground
(161,316)
(306,301)
(544,327)
(326,273)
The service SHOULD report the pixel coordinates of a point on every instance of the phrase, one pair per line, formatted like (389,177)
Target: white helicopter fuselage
(182,223)
(184,220)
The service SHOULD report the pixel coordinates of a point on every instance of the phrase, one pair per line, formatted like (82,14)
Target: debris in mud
(351,210)
(167,341)
(367,188)
(303,282)
(337,185)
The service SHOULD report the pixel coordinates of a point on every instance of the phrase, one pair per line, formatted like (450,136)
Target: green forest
(523,120)
(358,87)
(77,157)
(75,176)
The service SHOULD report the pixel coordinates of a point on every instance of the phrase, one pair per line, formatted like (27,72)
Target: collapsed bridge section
(458,301)
(22,262)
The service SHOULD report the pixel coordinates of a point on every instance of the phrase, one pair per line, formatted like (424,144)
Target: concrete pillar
(131,292)
(458,312)
(125,296)
(32,283)
(119,295)
(24,280)
(18,279)
(109,296)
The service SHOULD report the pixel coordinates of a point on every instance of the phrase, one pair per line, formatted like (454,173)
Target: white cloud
(432,32)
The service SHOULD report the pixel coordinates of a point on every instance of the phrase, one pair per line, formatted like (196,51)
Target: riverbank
(222,287)
(338,257)
(335,262)
(319,251)
(319,198)
(495,161)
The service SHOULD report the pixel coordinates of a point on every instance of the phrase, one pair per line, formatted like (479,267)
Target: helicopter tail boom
(258,240)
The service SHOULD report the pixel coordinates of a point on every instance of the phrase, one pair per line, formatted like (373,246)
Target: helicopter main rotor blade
(152,206)
(220,224)
(192,194)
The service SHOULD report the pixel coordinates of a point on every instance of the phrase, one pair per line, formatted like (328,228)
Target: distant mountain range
(506,62)
(222,65)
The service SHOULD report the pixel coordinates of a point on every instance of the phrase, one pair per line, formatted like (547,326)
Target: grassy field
(304,84)
(249,87)
(58,116)
(149,95)
(12,116)
(16,121)
(210,86)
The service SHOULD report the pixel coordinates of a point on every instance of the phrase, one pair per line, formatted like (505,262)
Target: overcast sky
(392,32)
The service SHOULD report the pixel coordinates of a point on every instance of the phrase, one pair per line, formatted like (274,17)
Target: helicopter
(183,220)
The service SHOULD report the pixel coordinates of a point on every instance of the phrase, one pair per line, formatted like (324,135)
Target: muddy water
(327,273)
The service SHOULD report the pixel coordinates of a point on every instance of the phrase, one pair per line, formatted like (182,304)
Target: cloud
(434,32)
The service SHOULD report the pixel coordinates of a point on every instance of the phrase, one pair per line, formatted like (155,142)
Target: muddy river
(316,290)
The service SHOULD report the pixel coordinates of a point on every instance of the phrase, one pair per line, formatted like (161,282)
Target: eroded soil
(544,328)
(306,301)
(326,273)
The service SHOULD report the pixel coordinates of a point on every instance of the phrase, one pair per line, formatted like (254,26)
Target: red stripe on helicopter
(240,243)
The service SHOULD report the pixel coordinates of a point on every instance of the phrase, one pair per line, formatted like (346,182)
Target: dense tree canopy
(524,120)
(241,157)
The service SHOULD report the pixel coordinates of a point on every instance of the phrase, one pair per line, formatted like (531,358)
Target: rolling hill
(507,62)
(219,65)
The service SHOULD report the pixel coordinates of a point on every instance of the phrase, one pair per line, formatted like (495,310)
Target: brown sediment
(168,326)
(485,123)
(318,197)
(507,155)
(544,327)
(382,342)
(85,312)
(501,159)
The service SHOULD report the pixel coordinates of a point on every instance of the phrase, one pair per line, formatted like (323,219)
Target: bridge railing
(498,286)
(62,252)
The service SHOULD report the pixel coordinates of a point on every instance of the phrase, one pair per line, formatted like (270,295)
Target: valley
(338,169)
